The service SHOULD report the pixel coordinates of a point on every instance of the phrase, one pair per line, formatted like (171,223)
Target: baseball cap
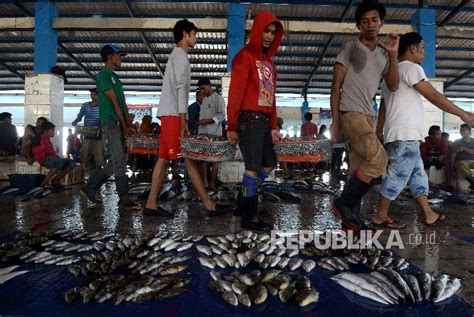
(111,49)
(203,81)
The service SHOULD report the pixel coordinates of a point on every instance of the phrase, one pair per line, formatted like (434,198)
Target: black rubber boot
(96,180)
(348,205)
(237,212)
(121,185)
(250,219)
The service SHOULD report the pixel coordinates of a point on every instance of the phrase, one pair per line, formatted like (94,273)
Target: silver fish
(244,300)
(397,279)
(204,249)
(424,281)
(414,286)
(230,298)
(355,288)
(207,262)
(308,265)
(438,286)
(452,286)
(258,294)
(306,296)
(8,276)
(295,263)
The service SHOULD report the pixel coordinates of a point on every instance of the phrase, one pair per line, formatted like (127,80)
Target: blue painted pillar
(425,22)
(235,30)
(46,38)
(304,109)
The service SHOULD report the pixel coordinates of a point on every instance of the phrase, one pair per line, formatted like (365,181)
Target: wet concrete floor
(436,249)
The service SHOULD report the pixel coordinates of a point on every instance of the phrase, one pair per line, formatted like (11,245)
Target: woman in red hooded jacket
(251,110)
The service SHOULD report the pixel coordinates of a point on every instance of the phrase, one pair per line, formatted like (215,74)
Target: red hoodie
(253,77)
(44,150)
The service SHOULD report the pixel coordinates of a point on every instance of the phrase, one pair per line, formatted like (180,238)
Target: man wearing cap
(210,122)
(8,135)
(92,150)
(116,125)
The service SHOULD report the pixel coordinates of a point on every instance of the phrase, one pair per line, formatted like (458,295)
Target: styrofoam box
(22,167)
(231,172)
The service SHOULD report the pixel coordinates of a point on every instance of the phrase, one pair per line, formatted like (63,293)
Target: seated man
(463,150)
(8,135)
(47,157)
(32,138)
(435,152)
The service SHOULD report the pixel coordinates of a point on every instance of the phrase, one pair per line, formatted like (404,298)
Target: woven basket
(303,150)
(88,131)
(207,148)
(143,144)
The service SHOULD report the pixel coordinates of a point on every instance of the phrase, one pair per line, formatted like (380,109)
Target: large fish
(355,288)
(424,281)
(8,276)
(451,288)
(398,280)
(438,286)
(414,286)
(5,270)
(366,283)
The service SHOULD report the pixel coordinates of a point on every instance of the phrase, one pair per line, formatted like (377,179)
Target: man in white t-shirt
(402,118)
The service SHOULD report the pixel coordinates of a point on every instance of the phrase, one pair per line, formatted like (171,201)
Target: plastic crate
(25,181)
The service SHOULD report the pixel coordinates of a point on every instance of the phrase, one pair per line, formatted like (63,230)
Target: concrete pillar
(44,97)
(235,30)
(44,92)
(46,38)
(425,22)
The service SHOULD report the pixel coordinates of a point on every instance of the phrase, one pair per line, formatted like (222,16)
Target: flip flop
(390,224)
(440,218)
(220,210)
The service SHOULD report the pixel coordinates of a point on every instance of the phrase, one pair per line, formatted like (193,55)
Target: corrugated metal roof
(295,59)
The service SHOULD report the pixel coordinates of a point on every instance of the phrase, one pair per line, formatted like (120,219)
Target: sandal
(47,186)
(441,217)
(389,224)
(220,210)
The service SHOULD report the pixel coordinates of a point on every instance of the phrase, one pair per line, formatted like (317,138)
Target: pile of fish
(36,192)
(253,287)
(388,287)
(129,288)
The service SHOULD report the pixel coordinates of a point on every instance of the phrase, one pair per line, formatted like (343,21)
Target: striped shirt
(91,114)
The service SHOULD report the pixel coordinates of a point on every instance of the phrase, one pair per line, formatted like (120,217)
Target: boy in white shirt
(402,118)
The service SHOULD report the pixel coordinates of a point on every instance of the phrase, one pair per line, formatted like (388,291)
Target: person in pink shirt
(46,155)
(308,128)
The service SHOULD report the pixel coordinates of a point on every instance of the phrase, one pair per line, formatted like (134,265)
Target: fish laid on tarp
(8,276)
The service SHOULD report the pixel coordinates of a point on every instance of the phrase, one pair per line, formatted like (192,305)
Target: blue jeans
(405,167)
(58,163)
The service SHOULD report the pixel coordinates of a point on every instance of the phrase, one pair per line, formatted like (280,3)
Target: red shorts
(169,138)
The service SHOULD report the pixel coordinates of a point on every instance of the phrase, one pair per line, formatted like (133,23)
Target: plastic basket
(88,131)
(303,150)
(143,144)
(207,148)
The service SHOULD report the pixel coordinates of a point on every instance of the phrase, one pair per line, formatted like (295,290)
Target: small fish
(306,296)
(286,294)
(207,262)
(71,295)
(302,282)
(308,265)
(239,288)
(295,263)
(438,286)
(204,249)
(424,281)
(414,286)
(230,298)
(34,190)
(244,300)
(258,294)
(10,191)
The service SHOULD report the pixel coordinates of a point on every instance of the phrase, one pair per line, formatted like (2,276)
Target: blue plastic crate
(25,181)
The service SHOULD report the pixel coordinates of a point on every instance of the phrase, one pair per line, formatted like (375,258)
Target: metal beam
(76,61)
(145,41)
(460,77)
(454,12)
(11,70)
(326,48)
(60,45)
